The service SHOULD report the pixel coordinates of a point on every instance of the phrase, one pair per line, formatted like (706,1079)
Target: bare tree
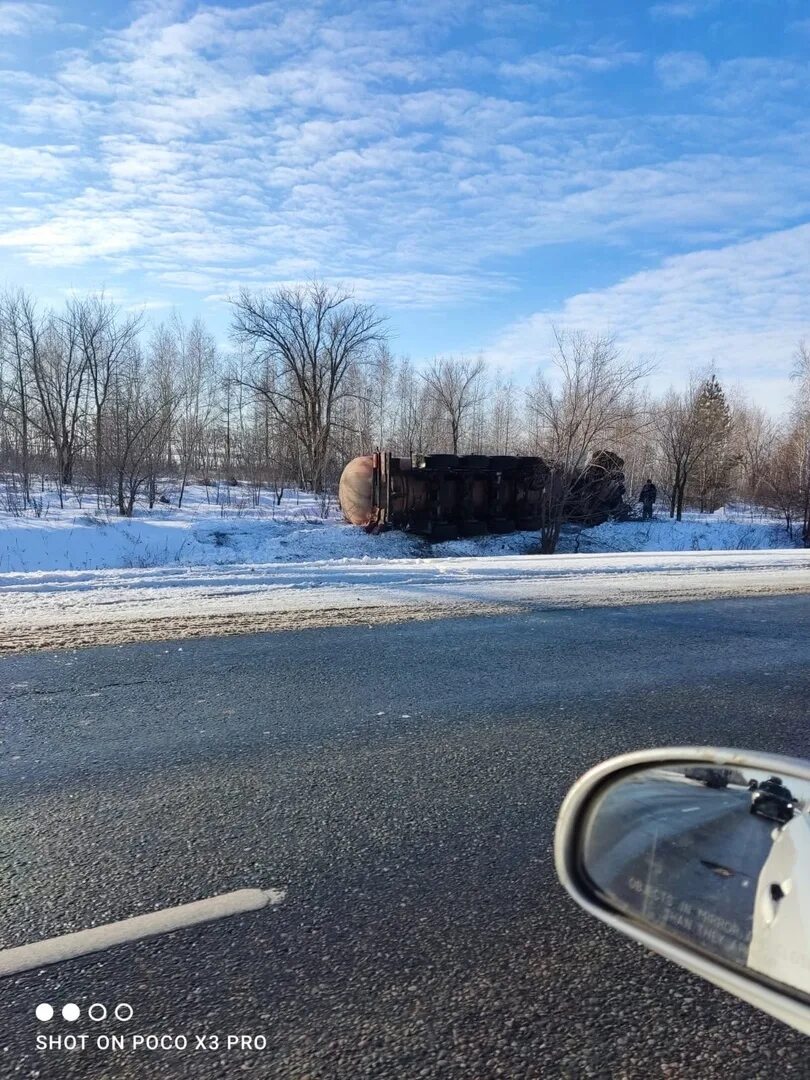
(453,384)
(635,443)
(59,368)
(164,366)
(16,327)
(801,427)
(305,341)
(409,422)
(786,485)
(589,399)
(801,371)
(104,337)
(195,394)
(687,430)
(503,420)
(135,427)
(383,370)
(754,435)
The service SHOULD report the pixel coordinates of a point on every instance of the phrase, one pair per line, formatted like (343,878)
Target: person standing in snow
(647,497)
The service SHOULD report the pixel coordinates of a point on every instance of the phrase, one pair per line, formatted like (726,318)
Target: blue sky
(479,170)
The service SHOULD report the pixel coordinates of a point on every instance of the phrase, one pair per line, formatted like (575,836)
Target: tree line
(96,401)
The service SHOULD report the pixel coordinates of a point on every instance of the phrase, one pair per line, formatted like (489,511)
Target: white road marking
(689,809)
(97,938)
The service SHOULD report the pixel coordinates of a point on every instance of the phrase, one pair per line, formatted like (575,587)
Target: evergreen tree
(711,479)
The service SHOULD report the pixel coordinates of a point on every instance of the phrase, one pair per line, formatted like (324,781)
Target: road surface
(400,784)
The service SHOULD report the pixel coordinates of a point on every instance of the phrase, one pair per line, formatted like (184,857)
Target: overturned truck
(442,496)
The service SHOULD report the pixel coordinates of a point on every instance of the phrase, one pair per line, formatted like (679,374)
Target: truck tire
(472,527)
(442,531)
(501,525)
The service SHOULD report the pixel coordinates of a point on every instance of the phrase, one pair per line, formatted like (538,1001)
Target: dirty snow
(61,608)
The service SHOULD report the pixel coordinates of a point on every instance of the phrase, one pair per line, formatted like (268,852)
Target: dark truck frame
(442,496)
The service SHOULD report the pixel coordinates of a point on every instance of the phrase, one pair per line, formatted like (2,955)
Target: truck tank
(442,496)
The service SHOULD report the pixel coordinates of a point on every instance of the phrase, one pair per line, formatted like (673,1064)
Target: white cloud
(209,145)
(558,65)
(22,18)
(505,17)
(679,69)
(742,307)
(681,9)
(30,163)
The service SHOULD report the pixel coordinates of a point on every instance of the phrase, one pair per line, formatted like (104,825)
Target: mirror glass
(717,857)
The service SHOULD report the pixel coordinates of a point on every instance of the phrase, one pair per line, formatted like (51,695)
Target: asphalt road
(401,783)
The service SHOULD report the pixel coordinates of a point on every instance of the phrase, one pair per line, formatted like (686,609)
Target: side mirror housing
(703,855)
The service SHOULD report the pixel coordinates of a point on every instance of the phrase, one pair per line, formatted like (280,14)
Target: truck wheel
(501,525)
(442,531)
(471,527)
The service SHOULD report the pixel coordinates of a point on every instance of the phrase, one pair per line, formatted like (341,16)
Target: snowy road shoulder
(61,608)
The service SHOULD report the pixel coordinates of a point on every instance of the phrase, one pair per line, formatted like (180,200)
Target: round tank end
(356,492)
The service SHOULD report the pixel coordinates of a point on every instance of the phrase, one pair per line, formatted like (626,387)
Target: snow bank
(697,532)
(85,543)
(204,532)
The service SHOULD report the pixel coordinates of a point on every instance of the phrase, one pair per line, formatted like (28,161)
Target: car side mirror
(703,855)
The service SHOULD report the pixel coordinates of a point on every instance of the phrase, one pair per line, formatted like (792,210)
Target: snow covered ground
(724,530)
(74,576)
(71,607)
(233,531)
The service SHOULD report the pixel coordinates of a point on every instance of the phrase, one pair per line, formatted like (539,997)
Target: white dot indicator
(44,1012)
(123,1011)
(97,1012)
(71,1012)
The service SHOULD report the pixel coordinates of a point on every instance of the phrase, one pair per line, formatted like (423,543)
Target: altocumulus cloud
(21,18)
(437,155)
(740,309)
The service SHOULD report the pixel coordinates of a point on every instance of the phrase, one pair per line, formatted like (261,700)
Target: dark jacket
(648,494)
